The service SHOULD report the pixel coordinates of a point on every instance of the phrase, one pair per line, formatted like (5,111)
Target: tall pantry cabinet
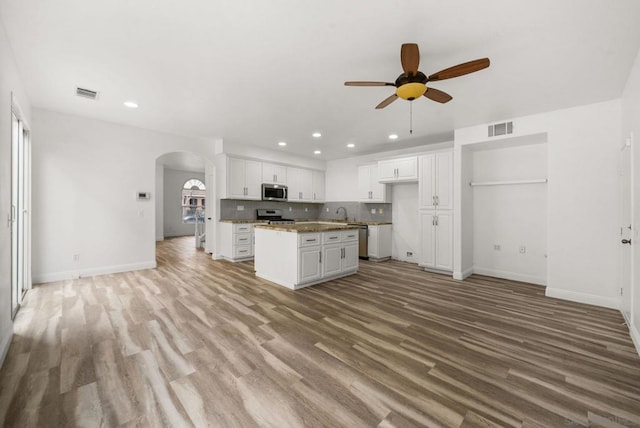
(436,210)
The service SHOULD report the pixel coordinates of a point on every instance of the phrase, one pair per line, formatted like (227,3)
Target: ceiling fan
(412,83)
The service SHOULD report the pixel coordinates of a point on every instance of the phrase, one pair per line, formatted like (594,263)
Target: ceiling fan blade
(460,69)
(387,101)
(437,95)
(410,58)
(368,84)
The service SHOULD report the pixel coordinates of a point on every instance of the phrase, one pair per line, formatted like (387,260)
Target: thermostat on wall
(143,195)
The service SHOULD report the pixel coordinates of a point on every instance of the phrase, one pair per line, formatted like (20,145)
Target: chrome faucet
(345,212)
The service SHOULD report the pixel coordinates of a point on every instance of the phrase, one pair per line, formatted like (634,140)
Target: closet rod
(501,183)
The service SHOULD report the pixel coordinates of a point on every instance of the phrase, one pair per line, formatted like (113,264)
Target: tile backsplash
(303,211)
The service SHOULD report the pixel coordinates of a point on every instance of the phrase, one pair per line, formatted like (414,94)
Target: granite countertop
(243,221)
(369,223)
(306,227)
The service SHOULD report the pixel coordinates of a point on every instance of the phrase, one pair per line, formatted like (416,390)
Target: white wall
(9,83)
(158,196)
(583,149)
(173,184)
(510,216)
(631,125)
(85,175)
(406,222)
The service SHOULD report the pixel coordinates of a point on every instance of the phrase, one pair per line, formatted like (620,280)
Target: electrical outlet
(522,249)
(373,210)
(497,247)
(381,211)
(327,209)
(290,209)
(306,209)
(240,207)
(409,254)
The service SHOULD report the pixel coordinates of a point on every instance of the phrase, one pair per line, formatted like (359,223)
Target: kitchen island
(303,254)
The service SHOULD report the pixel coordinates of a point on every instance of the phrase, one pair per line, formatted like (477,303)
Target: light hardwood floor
(205,343)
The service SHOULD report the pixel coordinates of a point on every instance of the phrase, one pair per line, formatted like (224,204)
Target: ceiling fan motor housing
(411,86)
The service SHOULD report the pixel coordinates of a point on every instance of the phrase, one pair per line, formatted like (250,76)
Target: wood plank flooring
(198,342)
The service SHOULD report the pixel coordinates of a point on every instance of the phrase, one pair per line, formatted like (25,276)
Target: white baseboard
(4,346)
(462,275)
(159,238)
(104,270)
(591,299)
(633,332)
(510,275)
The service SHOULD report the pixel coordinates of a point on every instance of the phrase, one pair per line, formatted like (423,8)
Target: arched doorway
(184,183)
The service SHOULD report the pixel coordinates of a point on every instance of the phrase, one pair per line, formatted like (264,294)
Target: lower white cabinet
(379,243)
(236,241)
(338,258)
(309,260)
(437,240)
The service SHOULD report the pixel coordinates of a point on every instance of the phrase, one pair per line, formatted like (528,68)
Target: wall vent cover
(498,129)
(86,93)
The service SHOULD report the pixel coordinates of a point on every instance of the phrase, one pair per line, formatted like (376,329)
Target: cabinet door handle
(436,220)
(342,253)
(320,253)
(433,220)
(437,200)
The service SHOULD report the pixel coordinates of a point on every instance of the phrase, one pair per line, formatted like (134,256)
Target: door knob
(626,241)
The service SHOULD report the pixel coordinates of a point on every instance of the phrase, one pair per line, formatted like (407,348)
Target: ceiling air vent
(87,93)
(500,129)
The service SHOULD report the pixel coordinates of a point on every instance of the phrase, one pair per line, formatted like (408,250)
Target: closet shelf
(507,182)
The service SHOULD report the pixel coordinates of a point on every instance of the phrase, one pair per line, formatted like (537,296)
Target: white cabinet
(317,180)
(300,183)
(309,260)
(340,253)
(379,243)
(236,241)
(437,240)
(436,181)
(398,170)
(244,178)
(274,174)
(369,188)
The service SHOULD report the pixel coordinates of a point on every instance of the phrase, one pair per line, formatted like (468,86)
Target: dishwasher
(363,242)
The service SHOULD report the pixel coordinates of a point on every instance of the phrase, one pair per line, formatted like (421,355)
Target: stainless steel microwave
(274,192)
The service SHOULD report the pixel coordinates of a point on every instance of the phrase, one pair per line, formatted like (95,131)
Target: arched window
(193,194)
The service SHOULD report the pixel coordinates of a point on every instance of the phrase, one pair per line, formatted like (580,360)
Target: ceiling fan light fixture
(411,91)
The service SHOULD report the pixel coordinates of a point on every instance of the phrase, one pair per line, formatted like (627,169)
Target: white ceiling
(257,72)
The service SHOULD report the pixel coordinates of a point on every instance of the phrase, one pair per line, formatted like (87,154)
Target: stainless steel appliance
(274,192)
(363,242)
(273,216)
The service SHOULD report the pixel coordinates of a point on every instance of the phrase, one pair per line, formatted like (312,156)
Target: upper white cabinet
(369,187)
(398,170)
(317,180)
(244,178)
(300,182)
(274,174)
(436,181)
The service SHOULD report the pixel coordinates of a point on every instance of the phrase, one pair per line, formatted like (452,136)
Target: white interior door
(20,216)
(626,243)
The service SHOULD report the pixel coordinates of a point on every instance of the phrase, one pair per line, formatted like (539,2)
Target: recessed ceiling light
(316,135)
(282,143)
(317,152)
(393,136)
(351,145)
(131,104)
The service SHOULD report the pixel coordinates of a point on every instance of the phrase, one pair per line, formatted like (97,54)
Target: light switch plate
(373,210)
(240,207)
